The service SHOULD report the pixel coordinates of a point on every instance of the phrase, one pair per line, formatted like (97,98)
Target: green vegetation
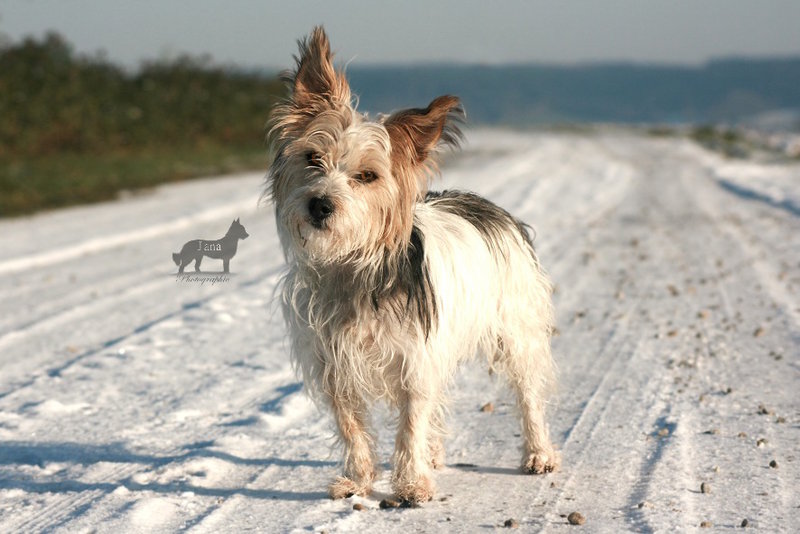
(76,129)
(727,141)
(661,131)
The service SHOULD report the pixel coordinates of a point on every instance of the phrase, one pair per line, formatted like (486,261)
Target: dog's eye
(366,177)
(314,159)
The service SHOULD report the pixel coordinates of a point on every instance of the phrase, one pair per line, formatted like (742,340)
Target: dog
(222,249)
(389,286)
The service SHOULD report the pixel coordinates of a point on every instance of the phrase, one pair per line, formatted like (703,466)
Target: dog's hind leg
(226,262)
(359,447)
(198,259)
(530,371)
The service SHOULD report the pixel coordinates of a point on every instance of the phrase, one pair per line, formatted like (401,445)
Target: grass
(727,141)
(64,179)
(76,129)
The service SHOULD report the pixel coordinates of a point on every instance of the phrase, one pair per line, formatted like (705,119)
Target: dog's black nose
(320,209)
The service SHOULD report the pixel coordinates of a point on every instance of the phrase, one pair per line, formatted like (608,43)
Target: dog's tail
(177,259)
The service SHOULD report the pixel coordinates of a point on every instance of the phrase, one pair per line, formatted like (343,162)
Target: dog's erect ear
(315,78)
(415,133)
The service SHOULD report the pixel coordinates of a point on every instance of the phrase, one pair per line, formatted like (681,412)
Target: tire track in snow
(122,283)
(97,244)
(61,511)
(130,288)
(126,476)
(752,241)
(625,346)
(96,306)
(753,249)
(131,472)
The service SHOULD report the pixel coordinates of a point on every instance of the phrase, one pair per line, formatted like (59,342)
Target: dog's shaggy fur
(391,286)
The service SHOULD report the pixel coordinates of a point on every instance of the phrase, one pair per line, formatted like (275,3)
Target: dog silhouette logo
(221,249)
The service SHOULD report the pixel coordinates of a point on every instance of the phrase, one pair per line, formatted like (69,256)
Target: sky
(263,34)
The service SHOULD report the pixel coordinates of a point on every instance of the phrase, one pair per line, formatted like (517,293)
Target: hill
(731,90)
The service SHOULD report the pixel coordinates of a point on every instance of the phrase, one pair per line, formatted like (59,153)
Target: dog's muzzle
(320,208)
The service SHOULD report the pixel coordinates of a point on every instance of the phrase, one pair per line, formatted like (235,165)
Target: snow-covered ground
(133,401)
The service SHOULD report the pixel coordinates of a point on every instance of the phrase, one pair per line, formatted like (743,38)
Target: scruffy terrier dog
(390,286)
(221,249)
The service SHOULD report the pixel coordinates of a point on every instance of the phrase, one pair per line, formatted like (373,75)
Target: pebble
(389,503)
(511,523)
(763,410)
(576,518)
(706,524)
(742,434)
(673,290)
(359,507)
(705,487)
(759,331)
(780,419)
(488,407)
(773,464)
(745,523)
(761,442)
(664,432)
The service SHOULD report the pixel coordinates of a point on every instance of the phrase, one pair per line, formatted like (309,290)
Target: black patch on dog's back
(489,219)
(408,275)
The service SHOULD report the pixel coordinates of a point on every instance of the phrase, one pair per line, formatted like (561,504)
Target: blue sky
(263,34)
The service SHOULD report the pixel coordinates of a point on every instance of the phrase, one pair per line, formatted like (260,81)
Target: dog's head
(344,186)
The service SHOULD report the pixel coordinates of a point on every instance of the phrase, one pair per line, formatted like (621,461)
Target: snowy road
(132,401)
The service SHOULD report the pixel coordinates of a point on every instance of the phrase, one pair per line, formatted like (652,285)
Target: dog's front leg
(359,447)
(412,479)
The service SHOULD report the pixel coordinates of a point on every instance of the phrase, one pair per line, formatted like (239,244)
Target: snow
(135,401)
(774,184)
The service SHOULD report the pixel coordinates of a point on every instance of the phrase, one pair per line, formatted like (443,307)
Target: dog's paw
(422,490)
(537,463)
(343,487)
